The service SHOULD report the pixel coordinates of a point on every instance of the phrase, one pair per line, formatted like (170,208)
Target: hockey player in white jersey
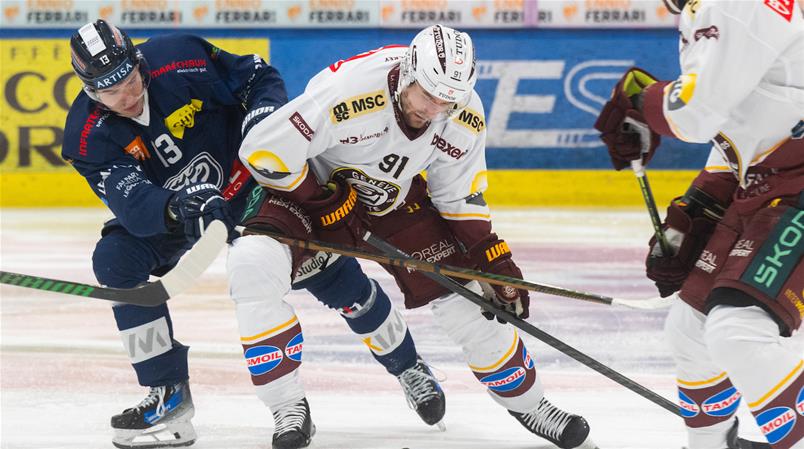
(738,232)
(351,149)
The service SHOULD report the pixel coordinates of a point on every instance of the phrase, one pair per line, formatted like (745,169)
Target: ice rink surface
(64,373)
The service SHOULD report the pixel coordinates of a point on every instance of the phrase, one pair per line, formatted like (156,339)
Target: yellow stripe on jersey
(273,331)
(782,383)
(701,383)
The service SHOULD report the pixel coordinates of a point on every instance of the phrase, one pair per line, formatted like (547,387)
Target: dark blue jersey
(201,101)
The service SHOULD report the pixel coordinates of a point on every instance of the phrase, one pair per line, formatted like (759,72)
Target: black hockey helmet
(675,6)
(102,56)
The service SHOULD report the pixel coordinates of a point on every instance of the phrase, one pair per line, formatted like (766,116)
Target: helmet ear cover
(442,61)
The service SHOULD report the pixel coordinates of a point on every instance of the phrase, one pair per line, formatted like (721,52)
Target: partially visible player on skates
(155,132)
(350,151)
(737,234)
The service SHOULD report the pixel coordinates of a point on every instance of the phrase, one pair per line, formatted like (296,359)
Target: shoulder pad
(88,132)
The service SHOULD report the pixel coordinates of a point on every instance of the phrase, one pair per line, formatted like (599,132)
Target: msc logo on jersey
(776,423)
(203,168)
(184,117)
(375,194)
(359,105)
(506,380)
(471,120)
(294,348)
(262,359)
(723,403)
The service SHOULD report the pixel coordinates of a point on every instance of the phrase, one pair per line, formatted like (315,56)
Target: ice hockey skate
(734,442)
(424,394)
(565,430)
(293,427)
(162,419)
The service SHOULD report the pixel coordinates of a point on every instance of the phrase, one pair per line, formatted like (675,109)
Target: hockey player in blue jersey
(156,132)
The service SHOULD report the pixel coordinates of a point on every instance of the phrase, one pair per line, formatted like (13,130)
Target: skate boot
(423,393)
(162,419)
(738,443)
(293,427)
(556,426)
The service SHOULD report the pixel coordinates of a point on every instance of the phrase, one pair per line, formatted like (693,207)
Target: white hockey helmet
(442,61)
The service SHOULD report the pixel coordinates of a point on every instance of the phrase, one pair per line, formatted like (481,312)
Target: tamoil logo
(776,423)
(505,380)
(262,359)
(723,403)
(294,348)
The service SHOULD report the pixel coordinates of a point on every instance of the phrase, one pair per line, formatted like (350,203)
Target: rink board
(540,102)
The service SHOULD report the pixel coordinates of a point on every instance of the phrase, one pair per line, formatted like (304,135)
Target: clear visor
(417,102)
(123,95)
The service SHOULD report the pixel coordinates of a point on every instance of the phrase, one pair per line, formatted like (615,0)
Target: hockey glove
(337,214)
(197,205)
(687,231)
(492,255)
(623,127)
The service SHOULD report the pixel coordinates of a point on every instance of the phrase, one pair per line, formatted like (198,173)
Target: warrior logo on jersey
(471,120)
(776,423)
(376,195)
(203,168)
(356,106)
(262,359)
(681,92)
(182,118)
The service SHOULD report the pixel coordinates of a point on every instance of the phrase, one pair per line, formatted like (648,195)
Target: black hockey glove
(197,205)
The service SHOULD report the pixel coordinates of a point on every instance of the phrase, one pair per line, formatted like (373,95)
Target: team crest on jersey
(357,106)
(471,120)
(138,149)
(375,194)
(202,169)
(262,359)
(182,118)
(776,423)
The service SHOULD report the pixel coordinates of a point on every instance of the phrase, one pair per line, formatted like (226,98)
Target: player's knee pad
(683,329)
(495,353)
(342,286)
(120,261)
(736,335)
(259,270)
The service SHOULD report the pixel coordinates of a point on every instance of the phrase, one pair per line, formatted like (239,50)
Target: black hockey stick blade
(152,294)
(531,330)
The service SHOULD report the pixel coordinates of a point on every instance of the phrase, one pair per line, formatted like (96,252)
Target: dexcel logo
(446,147)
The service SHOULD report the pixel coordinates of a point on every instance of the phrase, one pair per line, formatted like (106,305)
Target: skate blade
(441,426)
(587,444)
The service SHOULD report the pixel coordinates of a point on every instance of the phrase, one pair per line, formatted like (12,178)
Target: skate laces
(156,395)
(418,383)
(290,418)
(547,420)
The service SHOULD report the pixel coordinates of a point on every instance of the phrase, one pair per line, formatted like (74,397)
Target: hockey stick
(151,294)
(631,125)
(531,330)
(462,273)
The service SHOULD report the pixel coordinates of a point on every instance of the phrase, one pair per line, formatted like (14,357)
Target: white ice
(64,373)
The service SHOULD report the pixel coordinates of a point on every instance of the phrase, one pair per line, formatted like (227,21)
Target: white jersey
(742,81)
(347,124)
